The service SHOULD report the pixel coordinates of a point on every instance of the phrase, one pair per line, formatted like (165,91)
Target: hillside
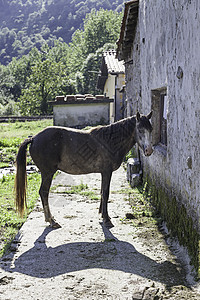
(28,23)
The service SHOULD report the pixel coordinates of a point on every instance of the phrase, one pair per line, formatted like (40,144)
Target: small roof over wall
(80,99)
(128,27)
(110,65)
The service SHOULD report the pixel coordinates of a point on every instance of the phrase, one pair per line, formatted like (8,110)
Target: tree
(100,27)
(47,79)
(100,32)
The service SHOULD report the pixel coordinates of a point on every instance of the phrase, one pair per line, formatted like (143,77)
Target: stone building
(111,81)
(160,44)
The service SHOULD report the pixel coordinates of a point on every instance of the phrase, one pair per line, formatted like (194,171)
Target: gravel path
(83,259)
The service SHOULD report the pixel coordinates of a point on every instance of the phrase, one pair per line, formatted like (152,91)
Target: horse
(100,149)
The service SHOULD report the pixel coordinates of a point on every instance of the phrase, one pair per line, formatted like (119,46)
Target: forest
(29,23)
(33,77)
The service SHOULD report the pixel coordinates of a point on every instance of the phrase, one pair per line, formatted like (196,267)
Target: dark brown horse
(99,150)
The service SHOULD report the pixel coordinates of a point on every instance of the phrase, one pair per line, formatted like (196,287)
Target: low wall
(80,115)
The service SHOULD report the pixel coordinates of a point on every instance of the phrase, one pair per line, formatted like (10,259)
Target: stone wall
(168,44)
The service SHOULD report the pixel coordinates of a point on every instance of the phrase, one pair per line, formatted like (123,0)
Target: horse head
(143,133)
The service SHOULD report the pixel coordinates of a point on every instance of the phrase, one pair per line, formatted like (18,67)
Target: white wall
(72,115)
(170,38)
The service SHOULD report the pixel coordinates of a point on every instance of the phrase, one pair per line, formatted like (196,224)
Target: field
(11,135)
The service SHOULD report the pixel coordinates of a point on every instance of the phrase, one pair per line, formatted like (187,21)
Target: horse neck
(126,131)
(117,138)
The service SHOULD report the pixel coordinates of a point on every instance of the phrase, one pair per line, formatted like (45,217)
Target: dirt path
(84,260)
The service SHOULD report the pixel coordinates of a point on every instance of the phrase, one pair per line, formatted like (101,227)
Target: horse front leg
(103,209)
(44,194)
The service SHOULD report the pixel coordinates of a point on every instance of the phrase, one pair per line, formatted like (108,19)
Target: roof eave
(128,29)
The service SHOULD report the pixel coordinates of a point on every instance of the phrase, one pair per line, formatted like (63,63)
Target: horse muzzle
(148,150)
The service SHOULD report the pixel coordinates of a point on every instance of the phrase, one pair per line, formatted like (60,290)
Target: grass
(11,136)
(10,222)
(142,210)
(81,189)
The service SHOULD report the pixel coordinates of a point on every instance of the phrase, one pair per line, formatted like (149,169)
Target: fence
(23,119)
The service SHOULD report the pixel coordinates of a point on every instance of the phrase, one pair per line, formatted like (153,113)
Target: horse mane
(116,134)
(128,123)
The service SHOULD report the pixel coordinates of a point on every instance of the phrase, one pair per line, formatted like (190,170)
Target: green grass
(10,222)
(81,189)
(13,134)
(142,210)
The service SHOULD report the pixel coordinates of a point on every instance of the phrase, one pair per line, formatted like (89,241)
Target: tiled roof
(112,63)
(80,99)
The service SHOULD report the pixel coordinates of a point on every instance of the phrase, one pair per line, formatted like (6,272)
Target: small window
(159,117)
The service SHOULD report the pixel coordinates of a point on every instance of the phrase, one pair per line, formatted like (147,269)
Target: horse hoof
(55,225)
(108,224)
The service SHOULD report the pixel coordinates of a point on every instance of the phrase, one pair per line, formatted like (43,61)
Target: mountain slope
(28,23)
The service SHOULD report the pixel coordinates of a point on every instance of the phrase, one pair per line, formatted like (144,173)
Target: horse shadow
(46,262)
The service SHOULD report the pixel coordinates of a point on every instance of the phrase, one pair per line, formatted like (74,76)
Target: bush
(10,109)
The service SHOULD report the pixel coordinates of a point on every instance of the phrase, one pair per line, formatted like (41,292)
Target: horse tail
(21,178)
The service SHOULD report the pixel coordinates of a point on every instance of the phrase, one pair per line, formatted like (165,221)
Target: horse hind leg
(105,187)
(44,194)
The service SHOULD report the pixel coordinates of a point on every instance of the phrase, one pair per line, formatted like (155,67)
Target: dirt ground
(85,260)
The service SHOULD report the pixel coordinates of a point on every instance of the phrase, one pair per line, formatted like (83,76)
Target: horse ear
(138,116)
(149,115)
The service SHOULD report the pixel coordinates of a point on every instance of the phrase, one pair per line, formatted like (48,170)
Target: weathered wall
(169,40)
(133,77)
(171,30)
(79,115)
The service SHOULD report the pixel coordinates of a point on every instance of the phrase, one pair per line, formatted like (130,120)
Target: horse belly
(76,163)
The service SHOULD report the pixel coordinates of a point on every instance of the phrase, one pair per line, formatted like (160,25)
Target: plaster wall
(170,40)
(80,115)
(109,91)
(109,88)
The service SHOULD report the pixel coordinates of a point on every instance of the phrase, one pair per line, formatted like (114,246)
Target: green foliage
(28,84)
(28,24)
(45,81)
(100,27)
